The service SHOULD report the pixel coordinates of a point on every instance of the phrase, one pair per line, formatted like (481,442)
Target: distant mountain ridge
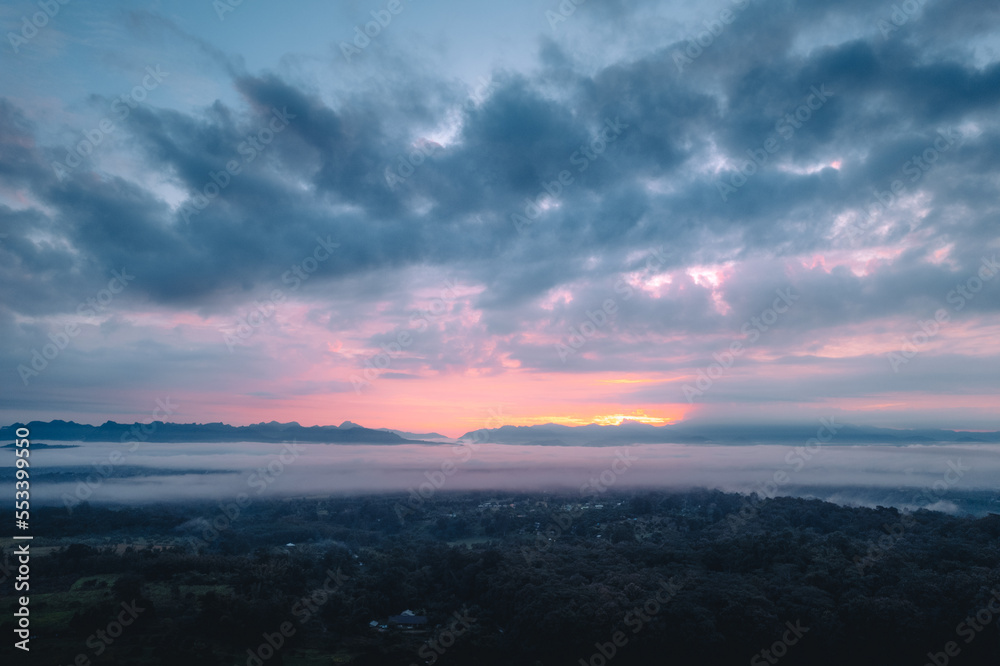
(422,436)
(402,433)
(552,434)
(158,431)
(549,434)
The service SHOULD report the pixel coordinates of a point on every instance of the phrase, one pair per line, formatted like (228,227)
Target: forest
(643,577)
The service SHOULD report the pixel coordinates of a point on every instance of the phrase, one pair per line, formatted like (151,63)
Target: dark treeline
(700,577)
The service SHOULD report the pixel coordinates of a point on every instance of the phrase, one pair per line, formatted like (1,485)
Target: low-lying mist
(939,477)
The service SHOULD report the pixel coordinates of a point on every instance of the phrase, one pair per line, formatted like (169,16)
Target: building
(408,619)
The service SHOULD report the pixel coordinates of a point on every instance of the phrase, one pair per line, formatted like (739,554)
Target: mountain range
(631,432)
(549,434)
(158,431)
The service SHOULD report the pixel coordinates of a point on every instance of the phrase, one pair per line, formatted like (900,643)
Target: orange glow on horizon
(453,405)
(639,416)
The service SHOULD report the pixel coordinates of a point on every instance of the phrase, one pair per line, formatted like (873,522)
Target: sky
(447,216)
